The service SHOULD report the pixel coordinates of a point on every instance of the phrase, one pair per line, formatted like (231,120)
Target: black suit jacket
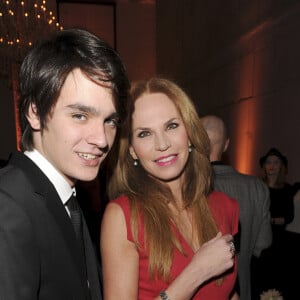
(39,258)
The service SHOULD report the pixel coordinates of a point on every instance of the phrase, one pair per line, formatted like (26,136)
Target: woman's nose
(162,142)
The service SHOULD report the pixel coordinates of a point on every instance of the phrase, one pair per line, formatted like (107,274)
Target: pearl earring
(190,149)
(135,163)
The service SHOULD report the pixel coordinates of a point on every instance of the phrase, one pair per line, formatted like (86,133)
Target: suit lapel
(45,190)
(92,263)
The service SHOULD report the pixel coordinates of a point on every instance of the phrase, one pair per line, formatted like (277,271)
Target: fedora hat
(275,152)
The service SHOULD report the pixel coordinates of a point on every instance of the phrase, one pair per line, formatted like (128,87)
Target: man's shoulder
(220,196)
(227,171)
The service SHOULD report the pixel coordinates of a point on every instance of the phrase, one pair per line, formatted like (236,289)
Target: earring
(190,149)
(135,163)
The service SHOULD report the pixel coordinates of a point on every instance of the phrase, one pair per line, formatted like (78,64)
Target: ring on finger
(232,247)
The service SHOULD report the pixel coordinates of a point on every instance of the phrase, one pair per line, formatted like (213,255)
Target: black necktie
(76,219)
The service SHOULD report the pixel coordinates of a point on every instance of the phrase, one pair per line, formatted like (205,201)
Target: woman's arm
(119,257)
(212,259)
(120,261)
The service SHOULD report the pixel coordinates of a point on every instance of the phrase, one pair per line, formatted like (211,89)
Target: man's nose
(98,136)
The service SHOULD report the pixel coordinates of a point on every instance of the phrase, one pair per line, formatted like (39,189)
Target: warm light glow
(21,24)
(19,29)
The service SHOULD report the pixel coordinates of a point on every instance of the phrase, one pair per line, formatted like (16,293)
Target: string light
(21,24)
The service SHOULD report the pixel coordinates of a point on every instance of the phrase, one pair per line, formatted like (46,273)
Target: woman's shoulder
(122,199)
(225,211)
(222,199)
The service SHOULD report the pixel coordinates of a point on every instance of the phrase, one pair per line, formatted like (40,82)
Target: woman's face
(272,165)
(159,137)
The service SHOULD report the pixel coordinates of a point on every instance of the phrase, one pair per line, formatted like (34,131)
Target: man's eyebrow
(83,108)
(91,110)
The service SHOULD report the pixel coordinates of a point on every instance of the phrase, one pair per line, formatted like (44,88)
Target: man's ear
(132,153)
(33,118)
(226,145)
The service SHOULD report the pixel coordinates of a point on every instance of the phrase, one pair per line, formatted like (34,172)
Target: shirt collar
(62,187)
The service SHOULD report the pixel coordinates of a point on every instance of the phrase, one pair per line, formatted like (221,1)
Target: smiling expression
(159,137)
(80,130)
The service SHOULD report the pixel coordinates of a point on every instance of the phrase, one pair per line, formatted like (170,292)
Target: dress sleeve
(225,211)
(123,202)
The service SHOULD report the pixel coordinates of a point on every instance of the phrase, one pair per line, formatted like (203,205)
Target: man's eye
(143,134)
(113,122)
(79,116)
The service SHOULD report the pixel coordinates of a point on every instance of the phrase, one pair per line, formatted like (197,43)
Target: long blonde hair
(150,196)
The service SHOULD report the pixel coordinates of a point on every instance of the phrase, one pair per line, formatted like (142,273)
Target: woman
(166,236)
(274,168)
(272,268)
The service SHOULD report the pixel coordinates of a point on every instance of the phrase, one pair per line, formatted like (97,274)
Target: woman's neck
(272,180)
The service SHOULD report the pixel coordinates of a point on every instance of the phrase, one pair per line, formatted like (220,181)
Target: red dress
(226,213)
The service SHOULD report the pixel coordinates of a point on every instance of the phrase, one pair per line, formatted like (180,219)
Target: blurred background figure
(253,197)
(3,162)
(293,245)
(272,269)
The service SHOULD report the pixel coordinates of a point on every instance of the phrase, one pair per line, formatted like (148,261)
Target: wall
(134,30)
(135,41)
(236,59)
(7,122)
(241,61)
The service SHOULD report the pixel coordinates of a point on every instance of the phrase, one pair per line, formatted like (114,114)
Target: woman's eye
(172,125)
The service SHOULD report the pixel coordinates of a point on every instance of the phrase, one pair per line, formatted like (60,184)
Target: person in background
(165,234)
(273,267)
(253,197)
(293,246)
(3,162)
(73,94)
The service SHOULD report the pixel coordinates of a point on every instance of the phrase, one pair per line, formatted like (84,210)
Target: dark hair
(273,152)
(47,65)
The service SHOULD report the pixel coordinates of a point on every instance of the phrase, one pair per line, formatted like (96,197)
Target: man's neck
(216,162)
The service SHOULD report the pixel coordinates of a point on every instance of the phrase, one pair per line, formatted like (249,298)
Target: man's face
(80,130)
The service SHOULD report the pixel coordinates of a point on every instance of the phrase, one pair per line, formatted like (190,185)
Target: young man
(73,95)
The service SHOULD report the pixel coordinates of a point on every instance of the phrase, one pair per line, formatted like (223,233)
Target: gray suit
(256,234)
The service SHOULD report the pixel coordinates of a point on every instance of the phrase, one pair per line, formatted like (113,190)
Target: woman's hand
(212,259)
